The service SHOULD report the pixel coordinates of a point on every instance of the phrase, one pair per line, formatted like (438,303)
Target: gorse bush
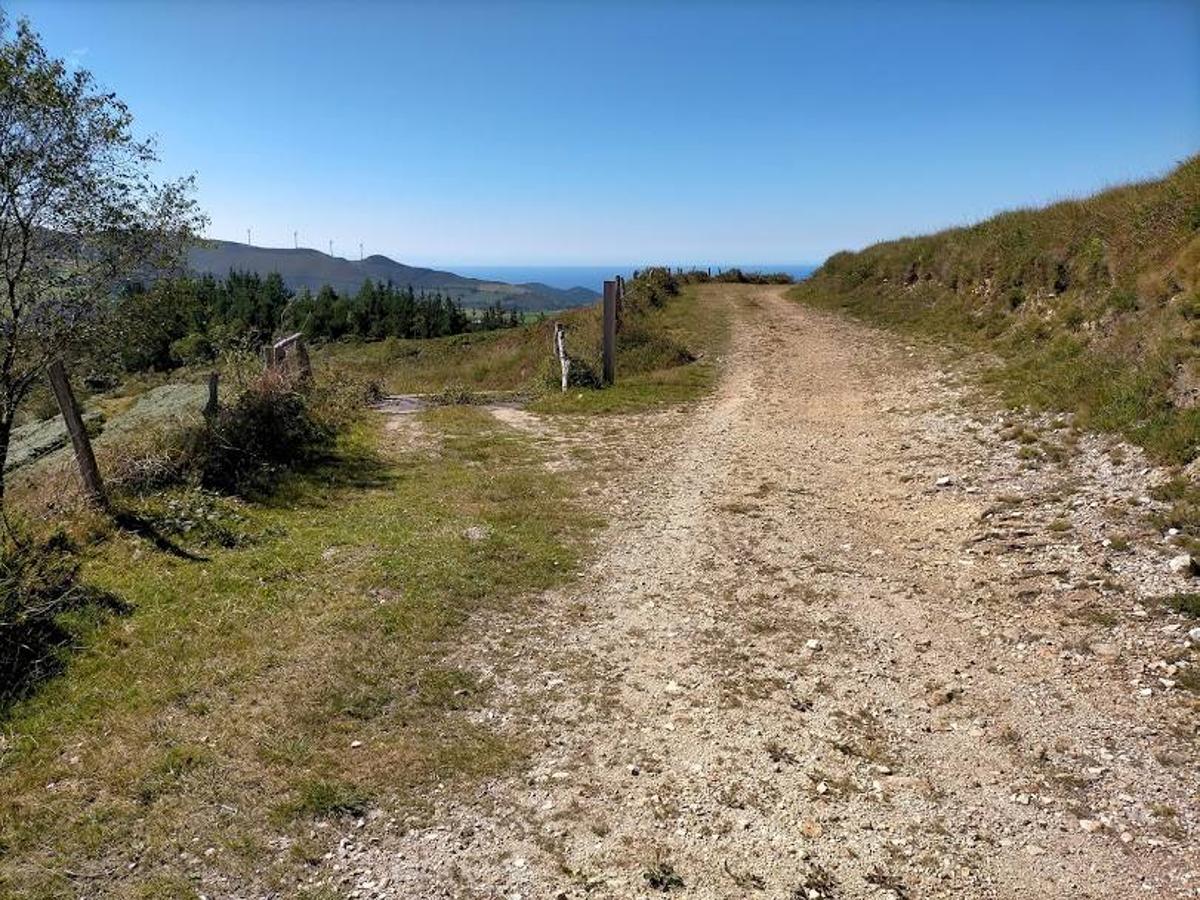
(38,583)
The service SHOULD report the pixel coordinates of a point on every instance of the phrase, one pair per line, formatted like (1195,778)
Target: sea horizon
(593,277)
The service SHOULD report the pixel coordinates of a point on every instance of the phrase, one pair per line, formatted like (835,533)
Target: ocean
(593,277)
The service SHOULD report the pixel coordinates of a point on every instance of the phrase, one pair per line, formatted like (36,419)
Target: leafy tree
(79,212)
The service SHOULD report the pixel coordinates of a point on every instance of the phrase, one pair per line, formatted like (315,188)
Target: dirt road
(840,640)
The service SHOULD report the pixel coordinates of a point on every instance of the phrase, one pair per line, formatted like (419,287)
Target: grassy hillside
(666,353)
(1091,306)
(277,662)
(312,269)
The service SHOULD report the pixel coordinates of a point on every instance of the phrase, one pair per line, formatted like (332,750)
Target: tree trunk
(6,424)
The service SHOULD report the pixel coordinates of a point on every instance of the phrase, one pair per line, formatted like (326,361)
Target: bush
(191,349)
(269,428)
(38,582)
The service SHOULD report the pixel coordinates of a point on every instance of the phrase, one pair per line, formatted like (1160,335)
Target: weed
(881,878)
(818,884)
(322,797)
(747,881)
(780,754)
(1187,603)
(661,876)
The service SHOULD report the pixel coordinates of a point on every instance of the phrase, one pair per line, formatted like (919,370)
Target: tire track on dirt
(771,682)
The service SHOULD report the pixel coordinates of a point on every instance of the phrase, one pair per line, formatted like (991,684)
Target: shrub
(191,349)
(269,428)
(38,582)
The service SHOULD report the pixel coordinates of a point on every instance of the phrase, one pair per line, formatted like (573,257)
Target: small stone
(673,687)
(822,788)
(811,829)
(942,696)
(1105,650)
(354,745)
(1194,635)
(944,481)
(812,644)
(1091,826)
(1183,565)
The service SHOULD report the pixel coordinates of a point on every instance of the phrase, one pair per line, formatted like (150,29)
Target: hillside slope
(1092,305)
(305,268)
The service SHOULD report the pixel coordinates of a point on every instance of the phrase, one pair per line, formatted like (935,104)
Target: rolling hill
(305,268)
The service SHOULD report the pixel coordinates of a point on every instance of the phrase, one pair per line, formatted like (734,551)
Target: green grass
(1087,306)
(293,667)
(221,711)
(667,356)
(651,374)
(1188,604)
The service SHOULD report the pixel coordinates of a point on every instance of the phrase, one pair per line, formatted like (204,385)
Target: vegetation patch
(1085,306)
(1187,603)
(667,352)
(300,674)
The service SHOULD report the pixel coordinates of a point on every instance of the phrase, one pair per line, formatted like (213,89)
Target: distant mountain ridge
(305,268)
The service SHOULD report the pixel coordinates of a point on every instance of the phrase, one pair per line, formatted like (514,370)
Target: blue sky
(608,132)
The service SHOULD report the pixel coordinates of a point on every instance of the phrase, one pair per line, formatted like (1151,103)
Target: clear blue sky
(607,132)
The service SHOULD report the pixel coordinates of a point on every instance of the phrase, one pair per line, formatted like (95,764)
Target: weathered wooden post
(560,347)
(88,471)
(210,408)
(610,332)
(290,351)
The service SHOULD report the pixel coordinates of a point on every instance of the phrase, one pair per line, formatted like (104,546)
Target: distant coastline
(592,277)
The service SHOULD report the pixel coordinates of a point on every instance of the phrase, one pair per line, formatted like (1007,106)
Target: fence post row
(88,470)
(610,331)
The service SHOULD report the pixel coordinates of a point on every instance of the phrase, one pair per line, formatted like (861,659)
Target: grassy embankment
(290,669)
(668,354)
(1089,307)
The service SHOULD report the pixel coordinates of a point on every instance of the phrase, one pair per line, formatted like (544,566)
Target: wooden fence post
(610,332)
(560,347)
(210,408)
(88,470)
(290,351)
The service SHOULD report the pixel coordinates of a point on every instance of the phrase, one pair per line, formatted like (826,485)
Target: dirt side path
(799,668)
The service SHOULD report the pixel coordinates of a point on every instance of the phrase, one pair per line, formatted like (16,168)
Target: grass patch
(322,798)
(1086,306)
(667,354)
(301,674)
(1187,603)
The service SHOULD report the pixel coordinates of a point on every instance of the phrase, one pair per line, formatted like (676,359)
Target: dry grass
(298,675)
(1092,306)
(667,356)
